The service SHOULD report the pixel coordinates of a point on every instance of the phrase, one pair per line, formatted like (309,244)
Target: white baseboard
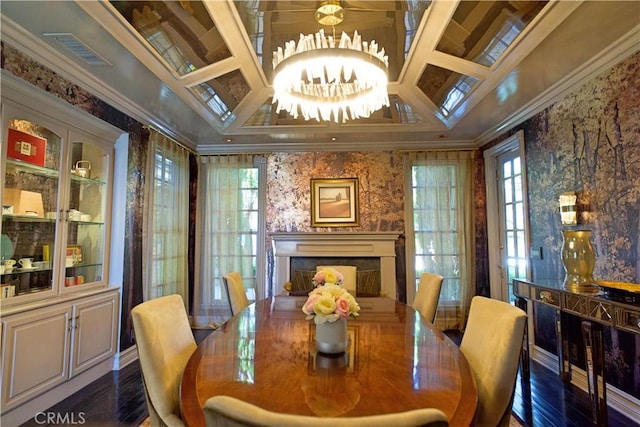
(616,399)
(125,357)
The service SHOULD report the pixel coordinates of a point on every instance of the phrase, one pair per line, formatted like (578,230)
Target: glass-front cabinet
(58,306)
(56,200)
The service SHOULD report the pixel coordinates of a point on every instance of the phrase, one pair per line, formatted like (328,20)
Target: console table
(595,312)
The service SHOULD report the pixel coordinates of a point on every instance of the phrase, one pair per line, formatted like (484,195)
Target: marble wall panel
(589,142)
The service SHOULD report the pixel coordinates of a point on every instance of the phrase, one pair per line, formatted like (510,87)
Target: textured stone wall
(589,142)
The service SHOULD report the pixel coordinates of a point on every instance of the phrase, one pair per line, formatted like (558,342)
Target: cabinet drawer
(628,319)
(552,298)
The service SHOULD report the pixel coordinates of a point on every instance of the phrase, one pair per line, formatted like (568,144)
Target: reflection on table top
(266,355)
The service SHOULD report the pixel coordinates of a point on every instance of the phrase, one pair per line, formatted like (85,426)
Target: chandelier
(326,79)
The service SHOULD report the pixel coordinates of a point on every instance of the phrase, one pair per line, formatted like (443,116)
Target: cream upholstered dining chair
(428,294)
(491,343)
(164,343)
(349,275)
(235,291)
(226,411)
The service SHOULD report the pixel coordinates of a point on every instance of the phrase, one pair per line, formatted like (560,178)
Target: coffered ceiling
(201,71)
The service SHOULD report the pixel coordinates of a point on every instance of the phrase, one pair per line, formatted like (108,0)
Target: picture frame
(334,202)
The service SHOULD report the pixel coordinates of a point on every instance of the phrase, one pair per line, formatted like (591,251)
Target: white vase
(331,337)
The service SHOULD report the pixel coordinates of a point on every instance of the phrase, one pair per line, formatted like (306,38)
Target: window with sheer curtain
(441,205)
(230,188)
(167,219)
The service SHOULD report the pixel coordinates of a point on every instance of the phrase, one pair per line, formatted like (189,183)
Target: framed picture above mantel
(334,202)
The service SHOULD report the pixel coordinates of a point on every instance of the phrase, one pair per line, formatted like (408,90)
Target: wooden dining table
(395,361)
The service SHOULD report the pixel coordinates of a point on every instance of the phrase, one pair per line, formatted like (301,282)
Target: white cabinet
(44,348)
(58,315)
(57,174)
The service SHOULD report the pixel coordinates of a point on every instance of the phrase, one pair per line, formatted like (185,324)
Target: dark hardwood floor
(117,399)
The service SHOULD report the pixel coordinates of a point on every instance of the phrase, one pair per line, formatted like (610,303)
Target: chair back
(368,283)
(349,276)
(302,281)
(427,295)
(235,292)
(491,343)
(226,411)
(164,342)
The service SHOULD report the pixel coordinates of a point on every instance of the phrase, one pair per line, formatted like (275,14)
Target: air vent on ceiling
(78,48)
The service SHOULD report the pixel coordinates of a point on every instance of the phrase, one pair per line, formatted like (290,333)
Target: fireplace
(376,248)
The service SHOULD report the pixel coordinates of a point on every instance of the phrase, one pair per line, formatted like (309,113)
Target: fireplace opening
(368,281)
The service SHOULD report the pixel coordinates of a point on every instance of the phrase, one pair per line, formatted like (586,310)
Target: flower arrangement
(330,302)
(327,275)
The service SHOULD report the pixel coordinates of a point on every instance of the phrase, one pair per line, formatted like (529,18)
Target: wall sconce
(568,214)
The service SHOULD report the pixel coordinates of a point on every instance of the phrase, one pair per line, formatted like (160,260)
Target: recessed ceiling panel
(481,31)
(446,88)
(392,24)
(222,94)
(181,32)
(479,66)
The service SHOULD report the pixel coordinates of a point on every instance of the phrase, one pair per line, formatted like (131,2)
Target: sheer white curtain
(166,219)
(441,204)
(228,235)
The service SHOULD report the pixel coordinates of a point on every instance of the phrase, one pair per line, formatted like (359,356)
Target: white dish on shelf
(26,268)
(30,214)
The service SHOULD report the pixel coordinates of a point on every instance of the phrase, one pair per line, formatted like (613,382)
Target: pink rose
(307,308)
(319,277)
(342,307)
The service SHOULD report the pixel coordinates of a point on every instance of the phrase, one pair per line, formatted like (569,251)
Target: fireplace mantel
(345,245)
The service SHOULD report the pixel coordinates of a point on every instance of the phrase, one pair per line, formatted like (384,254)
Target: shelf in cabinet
(82,180)
(26,218)
(23,271)
(74,221)
(84,265)
(30,218)
(33,290)
(19,165)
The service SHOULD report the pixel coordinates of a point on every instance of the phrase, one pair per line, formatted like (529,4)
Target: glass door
(84,253)
(29,208)
(514,263)
(507,218)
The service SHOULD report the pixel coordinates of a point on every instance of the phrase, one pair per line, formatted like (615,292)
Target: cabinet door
(86,242)
(36,353)
(30,197)
(95,331)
